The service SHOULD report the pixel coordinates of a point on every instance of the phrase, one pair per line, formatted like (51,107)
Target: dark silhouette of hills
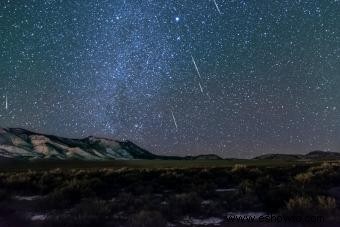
(22,144)
(314,155)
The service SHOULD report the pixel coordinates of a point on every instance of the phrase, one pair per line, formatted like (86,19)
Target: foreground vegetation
(165,193)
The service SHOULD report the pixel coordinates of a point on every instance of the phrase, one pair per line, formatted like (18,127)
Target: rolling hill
(22,144)
(314,155)
(17,143)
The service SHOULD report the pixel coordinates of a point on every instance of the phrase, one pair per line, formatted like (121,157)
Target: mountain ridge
(313,155)
(22,144)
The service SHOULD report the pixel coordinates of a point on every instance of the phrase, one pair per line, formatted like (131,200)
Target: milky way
(235,78)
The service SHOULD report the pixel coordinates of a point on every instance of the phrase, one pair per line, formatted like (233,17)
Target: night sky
(231,77)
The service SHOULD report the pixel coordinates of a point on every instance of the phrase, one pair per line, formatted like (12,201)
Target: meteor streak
(198,72)
(173,117)
(218,8)
(6,104)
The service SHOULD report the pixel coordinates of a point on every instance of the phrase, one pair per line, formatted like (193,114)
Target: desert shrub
(49,181)
(172,180)
(185,203)
(151,202)
(299,204)
(325,174)
(89,212)
(205,173)
(227,199)
(288,171)
(263,183)
(20,181)
(223,178)
(139,188)
(254,173)
(205,189)
(242,172)
(54,200)
(125,202)
(274,198)
(326,204)
(147,219)
(321,176)
(307,206)
(237,168)
(70,193)
(213,208)
(304,178)
(76,189)
(324,168)
(249,201)
(246,186)
(140,202)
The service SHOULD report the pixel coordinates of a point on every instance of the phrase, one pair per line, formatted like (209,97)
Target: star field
(236,78)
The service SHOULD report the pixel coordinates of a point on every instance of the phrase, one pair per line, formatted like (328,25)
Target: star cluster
(237,78)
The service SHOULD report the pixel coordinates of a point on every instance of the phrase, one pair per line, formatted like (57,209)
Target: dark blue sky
(236,78)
